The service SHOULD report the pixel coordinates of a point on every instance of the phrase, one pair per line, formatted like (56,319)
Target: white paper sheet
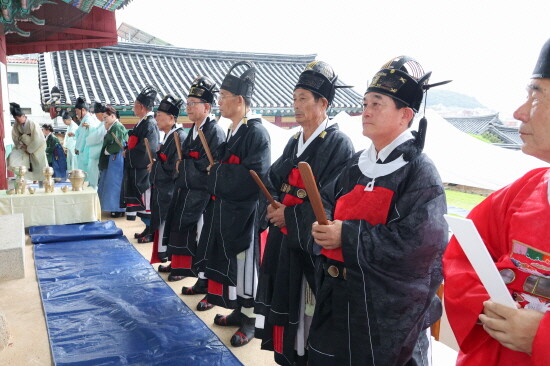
(469,239)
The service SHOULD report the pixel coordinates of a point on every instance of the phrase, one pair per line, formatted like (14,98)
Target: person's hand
(150,167)
(85,124)
(70,134)
(513,328)
(276,215)
(328,236)
(178,162)
(124,153)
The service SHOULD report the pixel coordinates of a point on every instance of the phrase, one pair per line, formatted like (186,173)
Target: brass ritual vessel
(49,183)
(20,181)
(77,178)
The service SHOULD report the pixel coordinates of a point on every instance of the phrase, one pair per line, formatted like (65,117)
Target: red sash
(371,206)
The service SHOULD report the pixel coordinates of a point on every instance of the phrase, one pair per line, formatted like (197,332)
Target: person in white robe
(29,145)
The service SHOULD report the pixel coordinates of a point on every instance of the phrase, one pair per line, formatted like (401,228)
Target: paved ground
(20,303)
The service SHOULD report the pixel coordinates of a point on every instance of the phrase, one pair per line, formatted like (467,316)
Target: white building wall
(27,92)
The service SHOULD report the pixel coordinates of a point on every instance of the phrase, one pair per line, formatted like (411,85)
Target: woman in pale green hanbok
(70,141)
(88,124)
(94,141)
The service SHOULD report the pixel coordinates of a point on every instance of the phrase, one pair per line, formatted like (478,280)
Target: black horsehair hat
(99,107)
(204,89)
(403,78)
(542,68)
(318,77)
(170,105)
(15,110)
(244,83)
(80,104)
(147,97)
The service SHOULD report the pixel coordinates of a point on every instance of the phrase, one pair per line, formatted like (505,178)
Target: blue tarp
(106,305)
(59,233)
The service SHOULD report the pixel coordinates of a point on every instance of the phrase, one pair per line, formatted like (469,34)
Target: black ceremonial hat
(542,68)
(242,84)
(318,77)
(15,110)
(204,89)
(81,104)
(147,97)
(170,105)
(401,78)
(99,107)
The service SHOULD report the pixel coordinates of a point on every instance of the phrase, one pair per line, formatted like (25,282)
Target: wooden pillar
(4,108)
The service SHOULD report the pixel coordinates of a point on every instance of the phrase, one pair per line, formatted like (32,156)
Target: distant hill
(450,99)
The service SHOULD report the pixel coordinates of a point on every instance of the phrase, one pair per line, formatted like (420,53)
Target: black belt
(295,191)
(335,270)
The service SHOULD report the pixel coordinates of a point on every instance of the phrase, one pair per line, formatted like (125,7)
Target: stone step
(12,247)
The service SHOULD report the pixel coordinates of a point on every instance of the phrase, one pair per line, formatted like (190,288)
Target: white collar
(248,116)
(168,134)
(303,145)
(386,151)
(111,126)
(196,131)
(150,113)
(371,168)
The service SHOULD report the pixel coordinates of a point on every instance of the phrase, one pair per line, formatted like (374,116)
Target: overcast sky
(487,47)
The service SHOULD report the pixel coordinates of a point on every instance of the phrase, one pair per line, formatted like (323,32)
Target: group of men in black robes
(360,290)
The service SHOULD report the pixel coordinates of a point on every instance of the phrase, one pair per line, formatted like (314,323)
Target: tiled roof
(475,125)
(508,135)
(489,123)
(116,74)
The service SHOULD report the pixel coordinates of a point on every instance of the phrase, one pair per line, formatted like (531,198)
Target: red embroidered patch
(194,154)
(132,142)
(278,332)
(215,288)
(181,261)
(233,159)
(163,157)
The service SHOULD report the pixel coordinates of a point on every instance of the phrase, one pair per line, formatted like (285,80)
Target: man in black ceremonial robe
(229,242)
(286,286)
(135,193)
(162,172)
(184,220)
(381,259)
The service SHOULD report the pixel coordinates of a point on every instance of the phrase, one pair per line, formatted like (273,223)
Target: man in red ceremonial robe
(514,224)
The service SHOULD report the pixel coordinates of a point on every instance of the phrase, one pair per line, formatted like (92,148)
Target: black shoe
(204,305)
(200,287)
(117,214)
(172,278)
(245,332)
(131,217)
(146,231)
(148,238)
(164,269)
(235,319)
